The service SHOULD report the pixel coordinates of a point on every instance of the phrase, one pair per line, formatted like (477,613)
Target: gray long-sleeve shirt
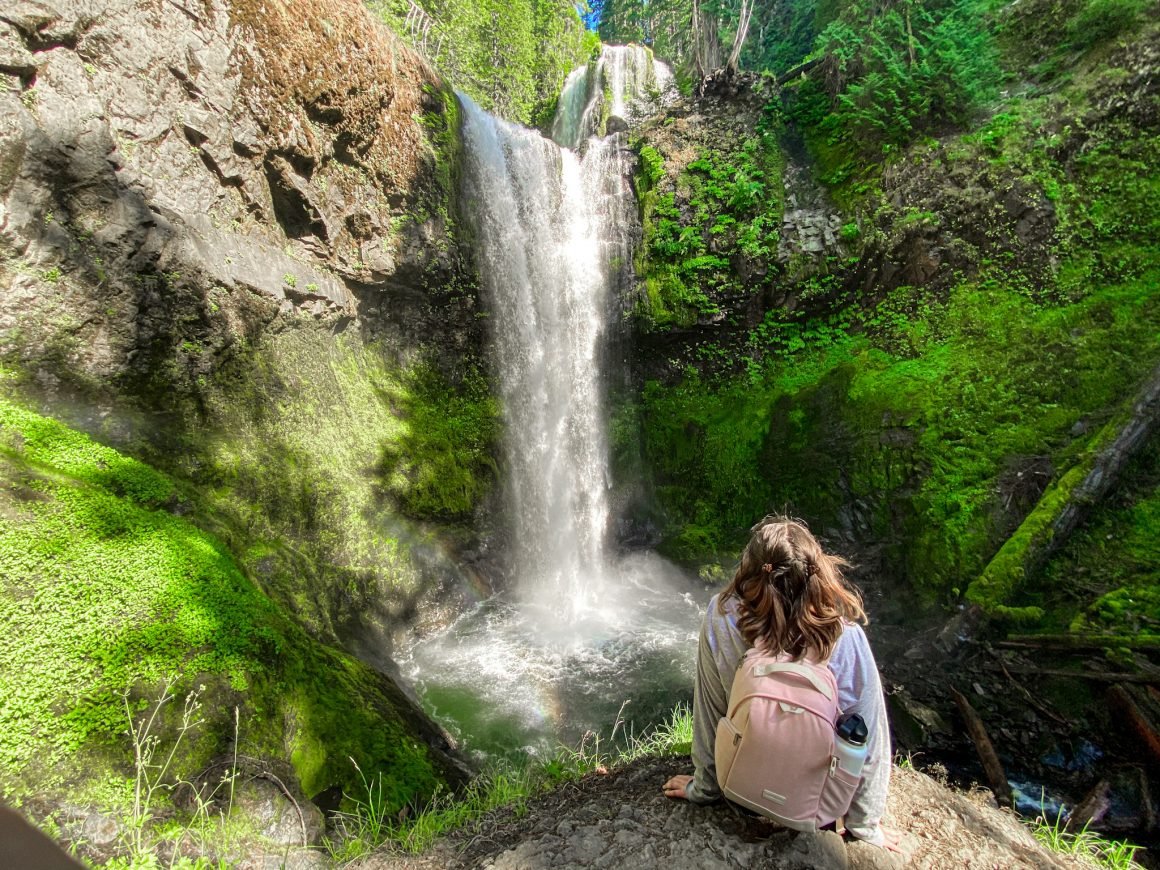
(859,691)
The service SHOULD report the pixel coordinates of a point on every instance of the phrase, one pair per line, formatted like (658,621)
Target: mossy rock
(108,594)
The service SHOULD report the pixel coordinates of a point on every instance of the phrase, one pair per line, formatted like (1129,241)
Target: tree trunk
(706,43)
(1068,500)
(739,37)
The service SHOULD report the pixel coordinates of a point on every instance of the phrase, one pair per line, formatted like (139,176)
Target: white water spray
(540,216)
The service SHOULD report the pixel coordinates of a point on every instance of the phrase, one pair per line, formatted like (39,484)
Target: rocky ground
(621,819)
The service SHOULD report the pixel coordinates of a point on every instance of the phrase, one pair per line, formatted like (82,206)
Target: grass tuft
(368,825)
(1088,846)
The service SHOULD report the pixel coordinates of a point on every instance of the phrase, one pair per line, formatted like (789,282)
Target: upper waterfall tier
(622,76)
(549,226)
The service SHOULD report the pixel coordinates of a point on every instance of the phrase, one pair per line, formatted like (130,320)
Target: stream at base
(511,680)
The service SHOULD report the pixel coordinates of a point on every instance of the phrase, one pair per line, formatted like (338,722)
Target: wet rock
(616,124)
(913,723)
(100,830)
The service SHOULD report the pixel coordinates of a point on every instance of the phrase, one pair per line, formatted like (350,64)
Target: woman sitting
(789,597)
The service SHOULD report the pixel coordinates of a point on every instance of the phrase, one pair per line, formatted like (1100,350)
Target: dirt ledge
(622,820)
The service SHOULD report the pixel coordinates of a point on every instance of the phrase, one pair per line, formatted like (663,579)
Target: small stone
(101,830)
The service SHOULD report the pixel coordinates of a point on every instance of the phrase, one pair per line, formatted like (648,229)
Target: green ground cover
(323,459)
(107,588)
(927,419)
(923,437)
(1106,578)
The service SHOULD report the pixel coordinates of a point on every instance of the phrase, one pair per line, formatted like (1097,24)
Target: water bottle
(850,735)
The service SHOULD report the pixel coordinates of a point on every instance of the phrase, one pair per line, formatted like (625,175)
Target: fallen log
(1078,642)
(1094,676)
(1092,808)
(992,767)
(1128,712)
(1065,502)
(798,71)
(1147,806)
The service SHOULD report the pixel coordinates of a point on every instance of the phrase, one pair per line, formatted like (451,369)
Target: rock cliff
(229,251)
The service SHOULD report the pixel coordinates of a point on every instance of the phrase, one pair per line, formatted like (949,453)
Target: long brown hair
(792,596)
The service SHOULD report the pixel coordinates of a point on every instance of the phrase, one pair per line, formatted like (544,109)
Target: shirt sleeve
(860,691)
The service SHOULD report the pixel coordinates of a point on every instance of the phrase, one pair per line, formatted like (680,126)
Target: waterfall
(539,220)
(579,633)
(552,232)
(623,74)
(577,110)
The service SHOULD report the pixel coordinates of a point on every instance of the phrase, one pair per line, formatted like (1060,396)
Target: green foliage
(368,825)
(921,407)
(440,464)
(510,56)
(804,430)
(724,205)
(1087,846)
(652,166)
(102,588)
(1100,20)
(895,74)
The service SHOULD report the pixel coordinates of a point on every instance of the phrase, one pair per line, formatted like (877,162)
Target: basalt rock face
(283,155)
(229,247)
(215,219)
(933,218)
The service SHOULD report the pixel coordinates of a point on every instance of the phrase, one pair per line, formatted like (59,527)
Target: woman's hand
(675,787)
(891,839)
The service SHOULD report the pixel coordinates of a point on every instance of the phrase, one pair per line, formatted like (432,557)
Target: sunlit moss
(104,592)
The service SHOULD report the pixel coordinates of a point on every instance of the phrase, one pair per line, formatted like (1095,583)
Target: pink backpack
(775,750)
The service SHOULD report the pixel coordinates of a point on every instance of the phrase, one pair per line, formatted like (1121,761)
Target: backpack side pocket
(726,744)
(837,793)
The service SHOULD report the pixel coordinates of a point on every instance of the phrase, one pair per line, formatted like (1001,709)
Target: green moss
(440,465)
(725,206)
(1006,572)
(652,168)
(313,452)
(922,442)
(103,592)
(1104,579)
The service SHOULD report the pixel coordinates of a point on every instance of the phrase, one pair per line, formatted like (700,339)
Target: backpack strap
(803,671)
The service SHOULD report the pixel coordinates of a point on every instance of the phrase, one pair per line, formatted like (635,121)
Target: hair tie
(767,568)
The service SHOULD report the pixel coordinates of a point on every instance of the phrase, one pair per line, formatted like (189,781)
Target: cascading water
(581,631)
(624,74)
(539,229)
